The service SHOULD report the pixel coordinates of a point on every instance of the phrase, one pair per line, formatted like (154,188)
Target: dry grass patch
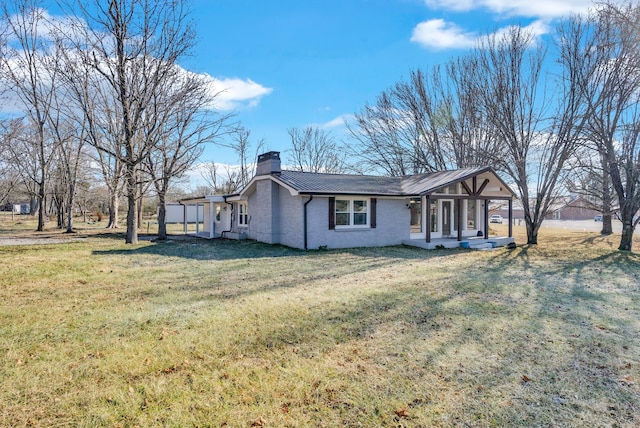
(213,333)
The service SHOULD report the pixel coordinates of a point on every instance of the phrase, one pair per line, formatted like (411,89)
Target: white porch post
(197,219)
(184,218)
(212,217)
(510,218)
(486,219)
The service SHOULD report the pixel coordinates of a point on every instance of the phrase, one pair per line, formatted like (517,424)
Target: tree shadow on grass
(227,249)
(245,269)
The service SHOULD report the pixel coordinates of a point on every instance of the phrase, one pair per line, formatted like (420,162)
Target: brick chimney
(268,163)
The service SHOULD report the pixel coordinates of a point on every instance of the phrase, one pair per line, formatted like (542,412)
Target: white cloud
(234,93)
(439,34)
(337,122)
(529,8)
(536,29)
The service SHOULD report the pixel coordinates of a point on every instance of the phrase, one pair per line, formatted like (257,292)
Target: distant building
(573,208)
(24,208)
(565,208)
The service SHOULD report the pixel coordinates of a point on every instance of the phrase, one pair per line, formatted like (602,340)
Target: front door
(415,207)
(446,218)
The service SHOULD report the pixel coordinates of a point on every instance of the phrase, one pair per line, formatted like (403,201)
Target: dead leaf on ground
(402,413)
(628,379)
(259,423)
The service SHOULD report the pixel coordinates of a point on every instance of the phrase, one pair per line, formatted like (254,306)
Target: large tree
(429,122)
(126,55)
(537,122)
(186,125)
(609,40)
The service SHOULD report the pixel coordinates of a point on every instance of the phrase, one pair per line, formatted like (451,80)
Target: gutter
(305,222)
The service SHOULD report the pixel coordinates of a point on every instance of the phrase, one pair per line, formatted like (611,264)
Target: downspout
(305,222)
(231,218)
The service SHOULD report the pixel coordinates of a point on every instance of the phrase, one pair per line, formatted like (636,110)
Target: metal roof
(413,185)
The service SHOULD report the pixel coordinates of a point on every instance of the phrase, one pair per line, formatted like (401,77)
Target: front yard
(223,333)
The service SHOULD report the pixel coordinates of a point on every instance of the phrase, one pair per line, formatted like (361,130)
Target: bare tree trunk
(532,231)
(114,205)
(132,206)
(607,217)
(626,240)
(41,206)
(162,217)
(140,202)
(70,209)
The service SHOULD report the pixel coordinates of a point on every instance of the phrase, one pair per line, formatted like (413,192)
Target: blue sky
(299,63)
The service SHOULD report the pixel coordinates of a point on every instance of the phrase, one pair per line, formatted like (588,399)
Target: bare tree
(209,171)
(25,156)
(128,51)
(506,69)
(589,177)
(609,40)
(245,151)
(186,126)
(430,122)
(9,176)
(314,150)
(387,138)
(473,140)
(29,67)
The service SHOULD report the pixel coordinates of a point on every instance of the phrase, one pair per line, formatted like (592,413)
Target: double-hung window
(352,212)
(243,215)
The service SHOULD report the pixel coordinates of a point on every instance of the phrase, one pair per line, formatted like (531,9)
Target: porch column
(212,217)
(184,218)
(510,218)
(427,223)
(459,218)
(197,219)
(486,219)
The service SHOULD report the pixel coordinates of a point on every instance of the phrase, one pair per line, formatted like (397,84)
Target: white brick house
(311,210)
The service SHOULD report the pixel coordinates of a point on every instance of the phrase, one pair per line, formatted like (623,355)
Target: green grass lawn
(240,334)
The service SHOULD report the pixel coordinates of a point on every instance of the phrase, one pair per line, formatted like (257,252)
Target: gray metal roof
(413,185)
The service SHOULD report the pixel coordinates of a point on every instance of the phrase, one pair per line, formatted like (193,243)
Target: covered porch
(455,213)
(212,216)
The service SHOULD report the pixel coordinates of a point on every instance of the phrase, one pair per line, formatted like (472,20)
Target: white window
(243,215)
(352,212)
(217,212)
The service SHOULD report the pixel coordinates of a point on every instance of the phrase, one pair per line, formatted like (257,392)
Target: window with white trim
(243,214)
(352,213)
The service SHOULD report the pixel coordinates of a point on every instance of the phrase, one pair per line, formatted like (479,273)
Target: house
(573,207)
(313,210)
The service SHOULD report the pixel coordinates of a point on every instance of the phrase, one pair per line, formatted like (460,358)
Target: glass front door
(415,205)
